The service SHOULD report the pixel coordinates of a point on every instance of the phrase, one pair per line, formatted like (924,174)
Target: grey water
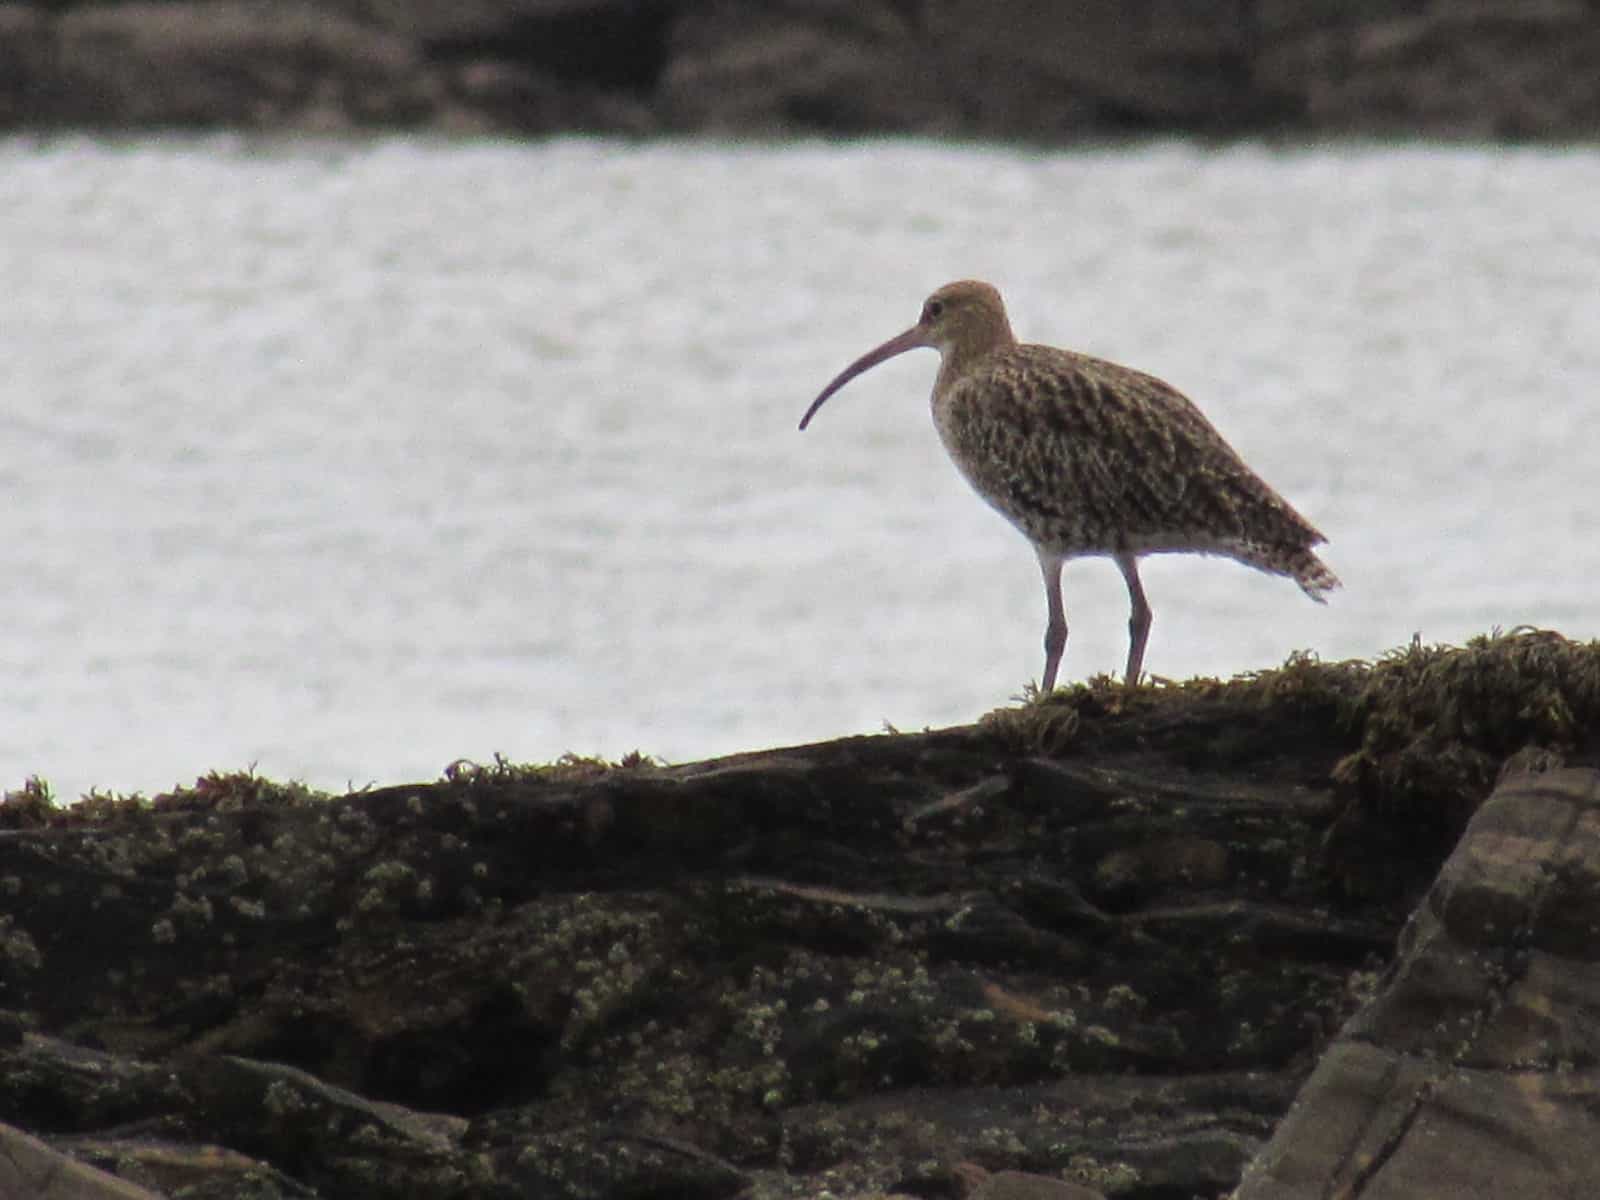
(348,460)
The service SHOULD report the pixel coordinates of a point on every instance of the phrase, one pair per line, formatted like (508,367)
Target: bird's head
(961,320)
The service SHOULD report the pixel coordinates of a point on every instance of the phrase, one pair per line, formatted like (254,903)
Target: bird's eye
(933,309)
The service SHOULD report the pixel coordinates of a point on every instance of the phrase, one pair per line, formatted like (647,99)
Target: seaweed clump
(1422,733)
(1305,690)
(32,806)
(28,807)
(1440,723)
(569,768)
(232,791)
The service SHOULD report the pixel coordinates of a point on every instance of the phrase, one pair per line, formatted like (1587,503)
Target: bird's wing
(1108,454)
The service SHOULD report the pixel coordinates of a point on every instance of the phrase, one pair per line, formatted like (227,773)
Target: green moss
(1424,725)
(568,768)
(1043,724)
(97,806)
(28,807)
(1109,1177)
(18,950)
(216,791)
(232,791)
(1304,686)
(1438,722)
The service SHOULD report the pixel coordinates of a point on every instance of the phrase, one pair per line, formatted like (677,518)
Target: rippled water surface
(347,461)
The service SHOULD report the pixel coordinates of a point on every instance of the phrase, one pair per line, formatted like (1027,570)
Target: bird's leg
(1138,617)
(1055,629)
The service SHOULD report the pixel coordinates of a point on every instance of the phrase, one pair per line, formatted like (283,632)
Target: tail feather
(1313,576)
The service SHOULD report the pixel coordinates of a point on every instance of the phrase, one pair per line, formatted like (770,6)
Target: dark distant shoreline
(1008,70)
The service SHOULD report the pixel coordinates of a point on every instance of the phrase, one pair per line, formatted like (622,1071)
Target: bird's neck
(963,358)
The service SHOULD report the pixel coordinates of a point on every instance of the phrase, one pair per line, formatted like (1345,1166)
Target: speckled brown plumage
(1087,457)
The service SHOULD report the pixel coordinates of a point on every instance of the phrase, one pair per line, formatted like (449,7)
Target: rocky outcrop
(31,1169)
(1095,944)
(967,68)
(1474,1070)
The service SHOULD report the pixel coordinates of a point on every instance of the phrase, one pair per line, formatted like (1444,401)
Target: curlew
(1088,457)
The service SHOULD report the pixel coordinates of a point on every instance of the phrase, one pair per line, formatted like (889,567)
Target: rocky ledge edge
(1323,930)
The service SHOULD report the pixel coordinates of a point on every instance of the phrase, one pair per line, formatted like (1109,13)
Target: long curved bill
(909,340)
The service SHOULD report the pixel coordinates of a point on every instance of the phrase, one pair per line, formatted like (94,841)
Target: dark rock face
(1474,1071)
(197,66)
(1101,941)
(1013,69)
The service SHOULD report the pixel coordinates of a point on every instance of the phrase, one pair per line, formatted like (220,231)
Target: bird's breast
(986,438)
